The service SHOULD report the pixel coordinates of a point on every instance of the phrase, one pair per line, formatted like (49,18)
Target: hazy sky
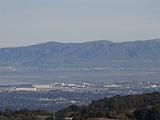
(25,22)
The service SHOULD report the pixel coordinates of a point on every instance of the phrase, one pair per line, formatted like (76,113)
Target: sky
(27,22)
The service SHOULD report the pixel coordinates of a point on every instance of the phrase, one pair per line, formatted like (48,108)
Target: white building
(25,89)
(67,118)
(42,86)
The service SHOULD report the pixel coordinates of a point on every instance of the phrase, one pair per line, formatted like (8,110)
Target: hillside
(96,53)
(132,107)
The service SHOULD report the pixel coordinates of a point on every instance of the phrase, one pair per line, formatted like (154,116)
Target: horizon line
(53,41)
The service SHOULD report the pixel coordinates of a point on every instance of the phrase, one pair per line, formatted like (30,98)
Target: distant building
(57,85)
(70,85)
(67,118)
(25,89)
(42,86)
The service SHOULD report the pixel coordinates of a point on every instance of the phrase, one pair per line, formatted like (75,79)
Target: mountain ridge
(94,41)
(94,53)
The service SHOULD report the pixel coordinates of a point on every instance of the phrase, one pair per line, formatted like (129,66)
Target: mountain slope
(96,53)
(131,107)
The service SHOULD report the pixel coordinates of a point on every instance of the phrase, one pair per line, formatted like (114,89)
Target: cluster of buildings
(34,87)
(59,99)
(46,87)
(86,87)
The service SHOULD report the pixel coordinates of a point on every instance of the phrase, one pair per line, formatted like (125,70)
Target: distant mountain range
(88,54)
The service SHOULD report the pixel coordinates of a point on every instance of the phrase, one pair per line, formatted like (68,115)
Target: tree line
(131,107)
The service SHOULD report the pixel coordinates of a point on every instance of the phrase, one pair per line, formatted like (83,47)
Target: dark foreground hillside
(132,107)
(24,115)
